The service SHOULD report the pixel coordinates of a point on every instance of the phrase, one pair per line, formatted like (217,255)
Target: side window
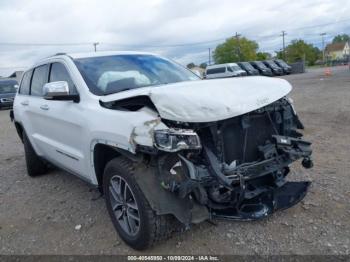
(25,83)
(39,80)
(221,69)
(229,69)
(59,72)
(217,70)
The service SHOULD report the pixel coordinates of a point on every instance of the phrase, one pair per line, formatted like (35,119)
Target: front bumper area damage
(240,171)
(251,190)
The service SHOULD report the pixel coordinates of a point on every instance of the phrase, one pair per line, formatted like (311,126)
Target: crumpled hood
(210,100)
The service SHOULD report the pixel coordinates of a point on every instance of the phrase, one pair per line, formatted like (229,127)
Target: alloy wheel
(124,205)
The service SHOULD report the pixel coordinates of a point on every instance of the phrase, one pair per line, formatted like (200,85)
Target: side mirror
(58,91)
(16,87)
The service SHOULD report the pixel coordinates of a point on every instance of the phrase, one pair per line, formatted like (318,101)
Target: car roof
(87,55)
(221,65)
(105,53)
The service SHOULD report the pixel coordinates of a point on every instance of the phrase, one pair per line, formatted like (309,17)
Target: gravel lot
(40,215)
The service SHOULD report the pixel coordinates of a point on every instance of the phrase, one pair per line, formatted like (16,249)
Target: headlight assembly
(173,140)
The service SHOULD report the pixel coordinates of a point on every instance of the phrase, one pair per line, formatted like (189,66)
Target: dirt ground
(40,215)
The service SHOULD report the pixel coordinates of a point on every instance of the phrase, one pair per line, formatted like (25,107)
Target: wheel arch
(102,153)
(19,129)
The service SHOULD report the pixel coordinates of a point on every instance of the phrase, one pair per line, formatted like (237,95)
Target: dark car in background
(262,68)
(276,70)
(287,69)
(246,66)
(7,93)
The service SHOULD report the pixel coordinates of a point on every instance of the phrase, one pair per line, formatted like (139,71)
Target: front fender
(165,202)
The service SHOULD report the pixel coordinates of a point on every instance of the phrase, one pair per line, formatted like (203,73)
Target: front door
(58,125)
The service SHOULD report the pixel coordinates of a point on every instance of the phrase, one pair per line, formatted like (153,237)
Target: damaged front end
(234,168)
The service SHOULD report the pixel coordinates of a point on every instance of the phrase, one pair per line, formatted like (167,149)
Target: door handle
(44,107)
(25,103)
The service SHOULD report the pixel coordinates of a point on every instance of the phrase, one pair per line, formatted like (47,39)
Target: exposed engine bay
(234,168)
(238,169)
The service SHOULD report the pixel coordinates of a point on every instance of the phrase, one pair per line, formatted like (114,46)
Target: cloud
(136,24)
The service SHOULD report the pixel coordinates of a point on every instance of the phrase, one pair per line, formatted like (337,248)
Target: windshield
(272,64)
(236,68)
(282,63)
(7,87)
(261,64)
(112,74)
(247,66)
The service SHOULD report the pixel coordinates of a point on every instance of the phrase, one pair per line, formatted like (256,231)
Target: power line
(322,35)
(237,36)
(319,25)
(209,53)
(159,46)
(284,46)
(95,45)
(42,44)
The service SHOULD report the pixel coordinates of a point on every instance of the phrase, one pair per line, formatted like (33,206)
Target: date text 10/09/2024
(173,258)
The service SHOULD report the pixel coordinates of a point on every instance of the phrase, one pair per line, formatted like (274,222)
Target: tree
(300,50)
(341,38)
(263,56)
(190,65)
(235,50)
(203,65)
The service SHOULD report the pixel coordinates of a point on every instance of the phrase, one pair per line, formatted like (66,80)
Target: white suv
(164,146)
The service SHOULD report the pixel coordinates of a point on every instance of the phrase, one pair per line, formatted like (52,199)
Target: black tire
(151,228)
(35,165)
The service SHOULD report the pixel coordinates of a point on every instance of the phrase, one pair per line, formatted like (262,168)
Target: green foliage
(263,56)
(300,50)
(341,38)
(190,65)
(235,50)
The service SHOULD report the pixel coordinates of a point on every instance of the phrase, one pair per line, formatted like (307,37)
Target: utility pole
(322,35)
(238,47)
(95,45)
(209,61)
(284,46)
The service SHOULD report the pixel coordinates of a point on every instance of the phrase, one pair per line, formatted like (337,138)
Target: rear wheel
(35,165)
(133,218)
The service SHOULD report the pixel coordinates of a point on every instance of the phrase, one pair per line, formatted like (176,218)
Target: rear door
(22,102)
(60,126)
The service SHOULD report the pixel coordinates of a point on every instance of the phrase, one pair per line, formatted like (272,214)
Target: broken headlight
(173,140)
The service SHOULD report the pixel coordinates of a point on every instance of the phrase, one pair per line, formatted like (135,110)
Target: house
(337,51)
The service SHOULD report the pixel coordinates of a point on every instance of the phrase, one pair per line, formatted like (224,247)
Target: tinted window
(260,65)
(59,73)
(236,68)
(272,64)
(216,70)
(25,83)
(7,87)
(282,63)
(247,66)
(112,74)
(39,80)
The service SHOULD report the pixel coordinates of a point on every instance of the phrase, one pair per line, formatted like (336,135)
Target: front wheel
(133,218)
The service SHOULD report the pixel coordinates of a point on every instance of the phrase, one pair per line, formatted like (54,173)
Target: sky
(181,30)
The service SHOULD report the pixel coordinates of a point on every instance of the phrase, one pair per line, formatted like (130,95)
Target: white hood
(210,100)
